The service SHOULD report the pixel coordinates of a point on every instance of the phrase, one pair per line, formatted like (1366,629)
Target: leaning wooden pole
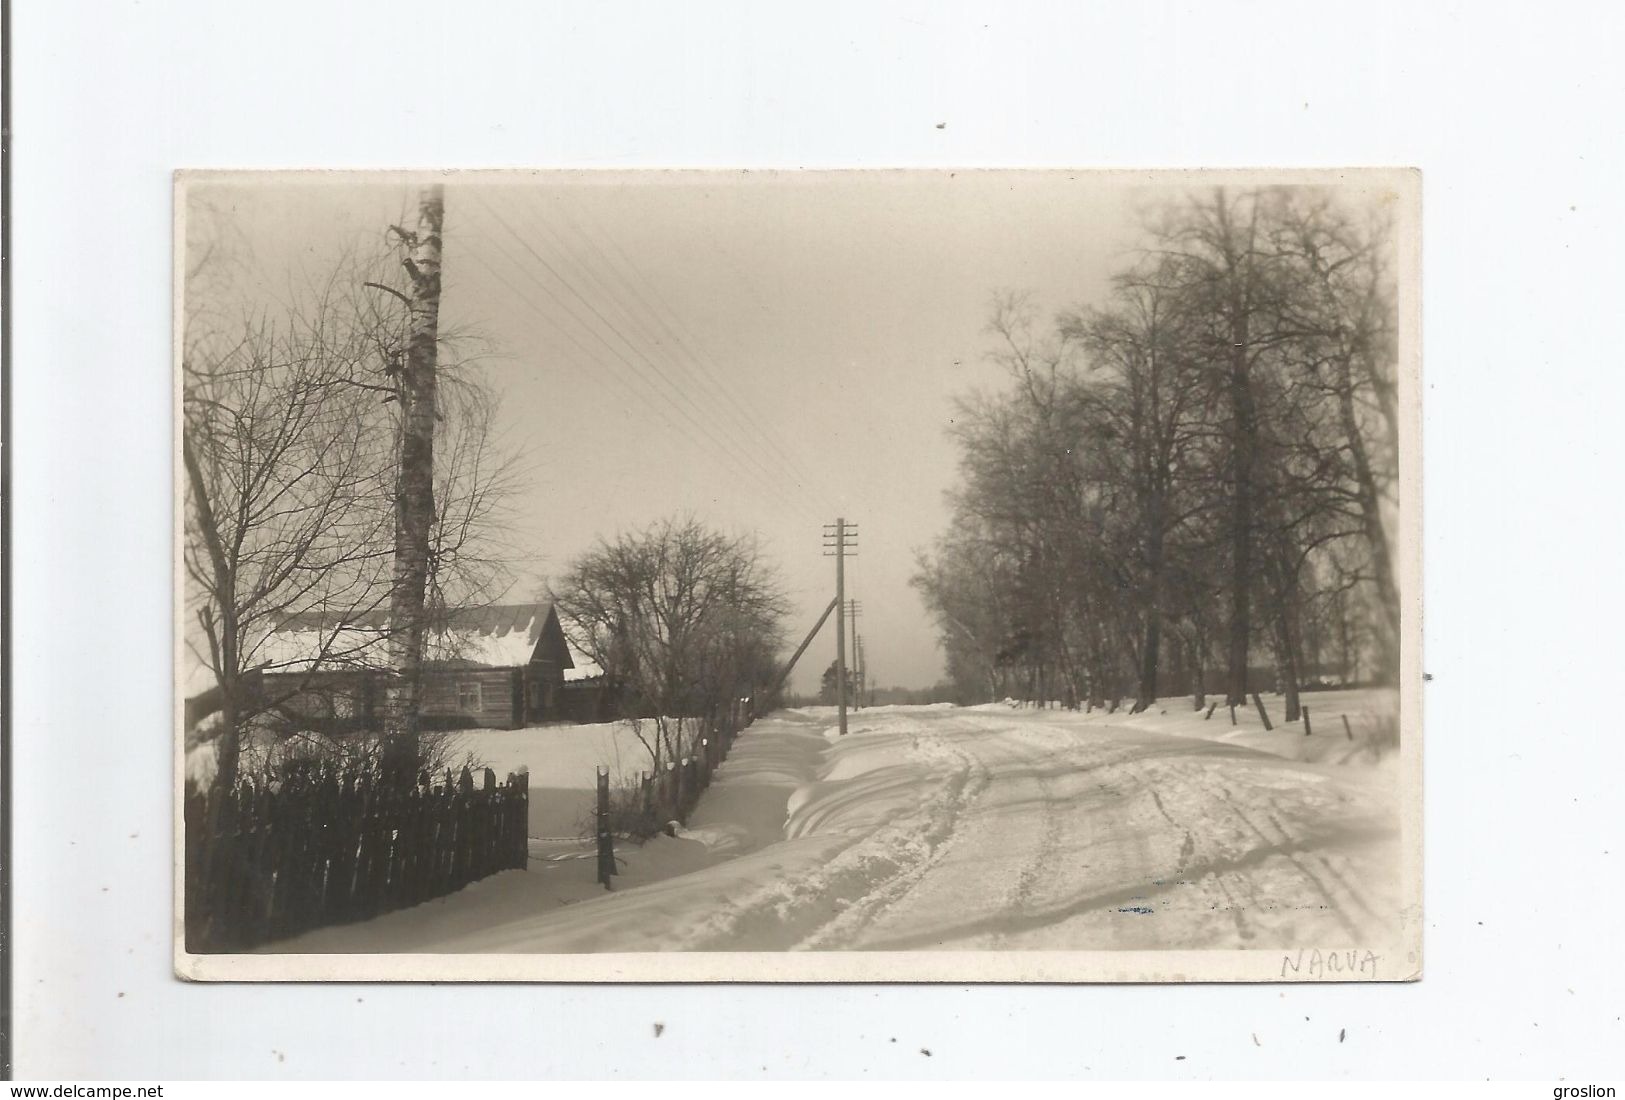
(784,674)
(414,484)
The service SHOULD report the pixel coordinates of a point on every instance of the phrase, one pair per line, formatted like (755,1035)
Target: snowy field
(563,763)
(973,828)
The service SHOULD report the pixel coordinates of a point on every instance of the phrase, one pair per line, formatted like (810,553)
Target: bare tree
(681,619)
(965,586)
(290,446)
(1145,411)
(286,479)
(1208,454)
(1348,304)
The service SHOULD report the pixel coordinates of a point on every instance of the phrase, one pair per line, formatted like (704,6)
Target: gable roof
(495,636)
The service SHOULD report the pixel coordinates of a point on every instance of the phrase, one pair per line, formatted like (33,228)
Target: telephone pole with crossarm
(840,543)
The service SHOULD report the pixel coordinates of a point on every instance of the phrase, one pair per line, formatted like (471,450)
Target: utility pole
(840,543)
(853,609)
(863,671)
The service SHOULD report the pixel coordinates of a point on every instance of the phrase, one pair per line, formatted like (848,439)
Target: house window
(468,697)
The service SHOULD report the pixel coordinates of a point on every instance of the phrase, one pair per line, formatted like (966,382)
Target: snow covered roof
(585,668)
(496,636)
(297,648)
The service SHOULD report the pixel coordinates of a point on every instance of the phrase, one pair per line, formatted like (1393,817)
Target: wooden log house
(500,667)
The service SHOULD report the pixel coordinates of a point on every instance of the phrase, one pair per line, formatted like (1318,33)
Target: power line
(739,454)
(747,416)
(639,393)
(695,417)
(570,336)
(644,392)
(706,376)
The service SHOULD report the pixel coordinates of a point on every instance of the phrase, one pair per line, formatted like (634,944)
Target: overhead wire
(633,391)
(738,421)
(645,389)
(649,392)
(662,312)
(696,416)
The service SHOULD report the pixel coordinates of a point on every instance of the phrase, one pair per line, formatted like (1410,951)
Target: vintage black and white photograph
(798,575)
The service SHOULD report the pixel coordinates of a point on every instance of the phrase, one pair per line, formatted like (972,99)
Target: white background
(1513,113)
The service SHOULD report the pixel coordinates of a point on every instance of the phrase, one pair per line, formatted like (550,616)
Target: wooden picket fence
(264,863)
(672,794)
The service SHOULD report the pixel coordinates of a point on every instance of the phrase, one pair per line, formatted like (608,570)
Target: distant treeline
(1192,479)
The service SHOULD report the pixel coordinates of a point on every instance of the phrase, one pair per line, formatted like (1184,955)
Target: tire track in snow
(979,837)
(1044,855)
(1284,847)
(969,780)
(1192,883)
(1166,833)
(991,887)
(872,871)
(1323,861)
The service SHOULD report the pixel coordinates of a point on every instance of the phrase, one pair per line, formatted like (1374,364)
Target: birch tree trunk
(414,493)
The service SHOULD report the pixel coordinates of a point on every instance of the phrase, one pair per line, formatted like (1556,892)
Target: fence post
(1306,729)
(685,788)
(1211,707)
(1232,714)
(1262,713)
(519,824)
(606,843)
(1346,727)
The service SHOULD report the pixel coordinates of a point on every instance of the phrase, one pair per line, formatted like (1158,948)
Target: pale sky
(766,350)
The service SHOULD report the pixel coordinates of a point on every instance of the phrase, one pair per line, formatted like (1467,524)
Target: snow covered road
(1107,837)
(949,828)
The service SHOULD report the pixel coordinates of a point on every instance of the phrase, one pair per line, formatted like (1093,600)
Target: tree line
(1191,478)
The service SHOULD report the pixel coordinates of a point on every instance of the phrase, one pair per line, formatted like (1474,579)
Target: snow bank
(1369,711)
